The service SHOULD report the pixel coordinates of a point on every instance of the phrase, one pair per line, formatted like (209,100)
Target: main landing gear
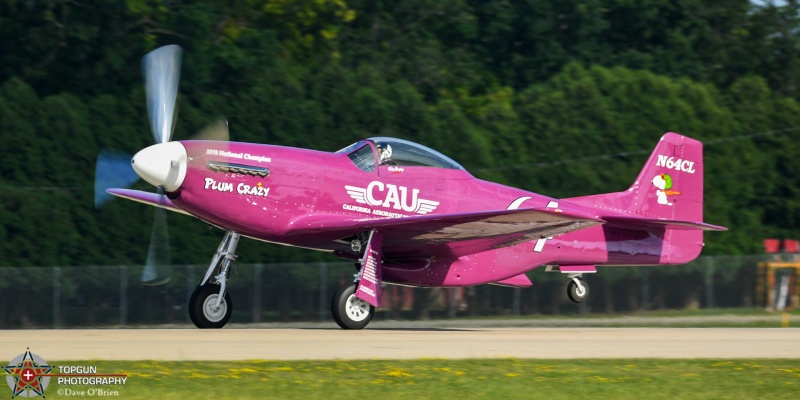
(353,305)
(210,305)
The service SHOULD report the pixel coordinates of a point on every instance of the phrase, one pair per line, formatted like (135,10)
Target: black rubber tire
(339,309)
(197,302)
(192,313)
(572,292)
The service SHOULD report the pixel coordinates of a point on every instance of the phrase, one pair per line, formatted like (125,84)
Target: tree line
(564,98)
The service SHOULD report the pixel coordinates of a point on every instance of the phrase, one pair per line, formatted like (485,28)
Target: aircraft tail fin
(669,186)
(666,197)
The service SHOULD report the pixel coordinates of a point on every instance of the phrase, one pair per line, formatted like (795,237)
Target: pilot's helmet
(384,152)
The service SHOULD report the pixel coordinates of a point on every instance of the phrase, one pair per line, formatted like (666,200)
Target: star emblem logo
(27,375)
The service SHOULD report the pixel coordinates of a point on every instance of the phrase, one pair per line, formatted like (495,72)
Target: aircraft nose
(162,164)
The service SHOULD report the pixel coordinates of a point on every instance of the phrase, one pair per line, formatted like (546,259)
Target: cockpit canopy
(392,151)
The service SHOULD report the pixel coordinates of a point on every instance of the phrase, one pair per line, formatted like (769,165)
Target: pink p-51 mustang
(408,214)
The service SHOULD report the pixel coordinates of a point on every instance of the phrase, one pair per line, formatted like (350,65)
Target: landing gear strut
(577,289)
(210,305)
(353,305)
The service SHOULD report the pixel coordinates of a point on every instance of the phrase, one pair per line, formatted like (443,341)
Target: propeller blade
(112,170)
(158,267)
(162,71)
(217,130)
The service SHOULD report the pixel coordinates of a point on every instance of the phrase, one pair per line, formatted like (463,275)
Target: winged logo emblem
(391,196)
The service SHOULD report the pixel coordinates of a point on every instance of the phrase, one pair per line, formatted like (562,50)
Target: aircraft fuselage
(306,185)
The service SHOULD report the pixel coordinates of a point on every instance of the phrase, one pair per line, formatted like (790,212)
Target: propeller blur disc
(112,170)
(158,267)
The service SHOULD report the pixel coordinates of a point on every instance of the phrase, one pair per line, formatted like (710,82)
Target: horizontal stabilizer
(151,199)
(634,222)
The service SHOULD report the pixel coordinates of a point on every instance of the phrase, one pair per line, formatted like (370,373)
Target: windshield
(360,153)
(352,147)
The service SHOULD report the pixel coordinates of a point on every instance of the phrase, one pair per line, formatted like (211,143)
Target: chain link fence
(97,296)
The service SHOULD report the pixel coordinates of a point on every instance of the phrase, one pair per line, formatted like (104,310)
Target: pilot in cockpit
(385,155)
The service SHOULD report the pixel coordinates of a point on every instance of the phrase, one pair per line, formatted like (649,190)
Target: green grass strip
(439,379)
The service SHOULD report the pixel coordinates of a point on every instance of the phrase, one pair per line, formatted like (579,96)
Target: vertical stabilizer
(669,186)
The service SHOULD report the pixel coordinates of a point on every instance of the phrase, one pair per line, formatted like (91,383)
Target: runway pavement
(398,343)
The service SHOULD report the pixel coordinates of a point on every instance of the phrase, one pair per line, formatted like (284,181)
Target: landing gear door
(369,283)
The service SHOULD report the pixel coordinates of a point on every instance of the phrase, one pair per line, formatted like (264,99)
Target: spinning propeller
(163,164)
(162,72)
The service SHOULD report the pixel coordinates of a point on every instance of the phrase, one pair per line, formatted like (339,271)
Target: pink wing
(454,234)
(152,199)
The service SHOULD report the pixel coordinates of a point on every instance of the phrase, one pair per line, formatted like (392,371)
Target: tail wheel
(577,291)
(202,310)
(349,311)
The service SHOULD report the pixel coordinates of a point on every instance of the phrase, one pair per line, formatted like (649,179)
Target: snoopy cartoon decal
(663,182)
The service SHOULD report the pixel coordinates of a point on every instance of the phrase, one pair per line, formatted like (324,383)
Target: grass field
(445,379)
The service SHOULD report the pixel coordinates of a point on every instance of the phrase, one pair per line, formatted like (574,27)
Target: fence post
(323,291)
(645,288)
(710,282)
(257,293)
(123,295)
(56,296)
(190,285)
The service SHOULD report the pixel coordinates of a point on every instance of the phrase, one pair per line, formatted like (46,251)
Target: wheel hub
(580,290)
(357,309)
(214,314)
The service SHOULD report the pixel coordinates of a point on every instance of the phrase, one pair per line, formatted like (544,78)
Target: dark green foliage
(561,97)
